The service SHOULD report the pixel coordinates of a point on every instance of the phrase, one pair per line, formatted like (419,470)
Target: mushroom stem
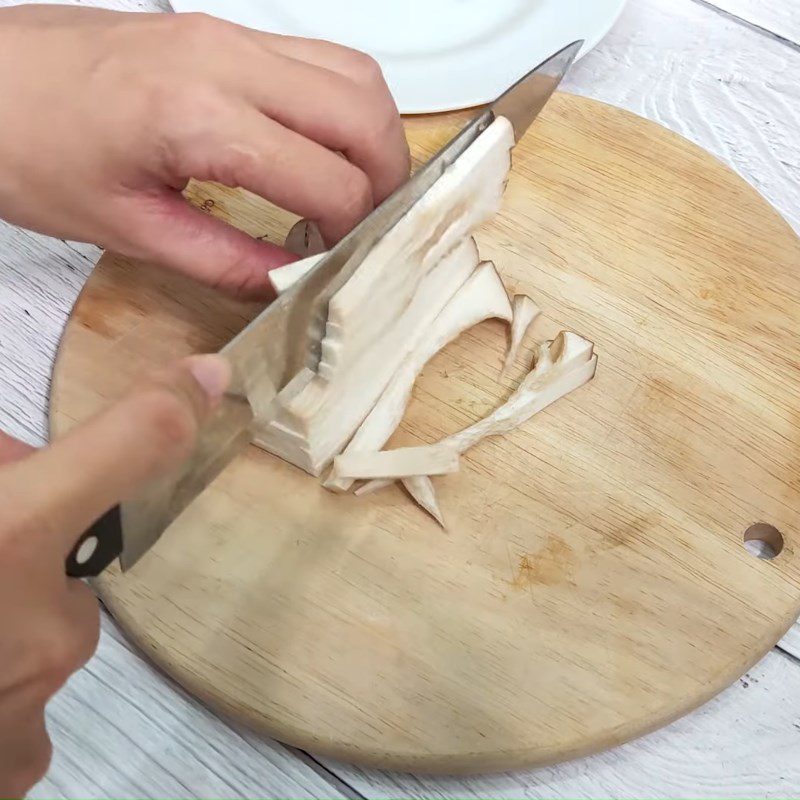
(400,463)
(525,313)
(562,365)
(481,297)
(387,306)
(420,487)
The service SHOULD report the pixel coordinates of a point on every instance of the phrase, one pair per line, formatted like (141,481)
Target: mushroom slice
(525,313)
(481,297)
(400,463)
(387,306)
(420,487)
(373,486)
(562,365)
(283,278)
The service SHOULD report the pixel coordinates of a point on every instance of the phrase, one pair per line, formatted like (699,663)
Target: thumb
(163,227)
(64,488)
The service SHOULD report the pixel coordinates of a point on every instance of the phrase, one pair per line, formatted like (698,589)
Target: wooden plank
(120,729)
(791,641)
(780,18)
(724,86)
(745,743)
(41,279)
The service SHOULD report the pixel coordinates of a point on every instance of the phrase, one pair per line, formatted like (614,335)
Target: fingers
(335,95)
(340,114)
(354,64)
(359,67)
(242,147)
(277,113)
(162,227)
(12,449)
(275,117)
(62,489)
(63,628)
(83,628)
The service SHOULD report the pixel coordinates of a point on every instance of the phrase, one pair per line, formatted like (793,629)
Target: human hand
(114,112)
(48,622)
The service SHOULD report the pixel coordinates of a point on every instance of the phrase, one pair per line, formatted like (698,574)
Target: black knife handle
(98,546)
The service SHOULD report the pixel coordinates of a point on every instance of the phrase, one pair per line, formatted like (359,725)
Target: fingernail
(213,373)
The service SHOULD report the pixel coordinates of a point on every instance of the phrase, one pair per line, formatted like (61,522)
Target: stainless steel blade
(521,104)
(287,335)
(221,440)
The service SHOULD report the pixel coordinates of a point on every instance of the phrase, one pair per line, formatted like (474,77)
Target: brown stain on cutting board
(551,565)
(592,584)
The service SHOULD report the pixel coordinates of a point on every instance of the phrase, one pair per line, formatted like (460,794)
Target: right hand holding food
(114,113)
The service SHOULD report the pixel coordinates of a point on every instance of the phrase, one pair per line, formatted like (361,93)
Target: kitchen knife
(286,337)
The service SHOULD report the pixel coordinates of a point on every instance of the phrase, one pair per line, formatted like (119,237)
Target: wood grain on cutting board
(592,582)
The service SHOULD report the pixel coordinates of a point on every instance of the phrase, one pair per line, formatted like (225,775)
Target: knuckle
(364,68)
(64,641)
(168,421)
(234,282)
(183,117)
(198,28)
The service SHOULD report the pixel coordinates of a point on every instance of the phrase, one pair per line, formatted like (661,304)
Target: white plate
(437,55)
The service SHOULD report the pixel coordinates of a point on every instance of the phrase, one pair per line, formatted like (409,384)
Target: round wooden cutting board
(592,582)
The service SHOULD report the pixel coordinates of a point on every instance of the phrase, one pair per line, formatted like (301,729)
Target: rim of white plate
(409,76)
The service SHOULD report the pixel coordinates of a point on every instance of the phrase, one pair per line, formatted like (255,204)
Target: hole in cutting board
(763,540)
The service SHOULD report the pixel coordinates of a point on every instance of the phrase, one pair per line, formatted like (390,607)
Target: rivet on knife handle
(98,546)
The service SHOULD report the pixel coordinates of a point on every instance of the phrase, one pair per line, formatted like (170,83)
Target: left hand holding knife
(48,622)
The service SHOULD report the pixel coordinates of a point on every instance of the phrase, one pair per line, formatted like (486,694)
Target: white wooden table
(726,74)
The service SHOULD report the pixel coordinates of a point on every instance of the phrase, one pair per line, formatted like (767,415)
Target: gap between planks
(758,27)
(110,627)
(340,784)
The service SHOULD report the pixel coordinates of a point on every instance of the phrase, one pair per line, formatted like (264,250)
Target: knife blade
(287,336)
